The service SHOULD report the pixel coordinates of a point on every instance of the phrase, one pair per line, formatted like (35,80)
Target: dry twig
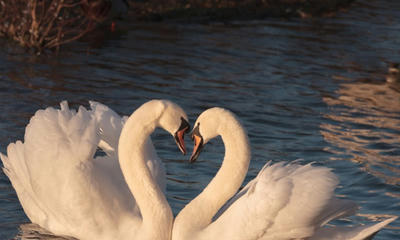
(44,24)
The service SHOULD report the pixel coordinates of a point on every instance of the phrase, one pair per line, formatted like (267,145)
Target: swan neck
(132,152)
(199,212)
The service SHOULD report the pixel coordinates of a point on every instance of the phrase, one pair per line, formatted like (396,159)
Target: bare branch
(41,24)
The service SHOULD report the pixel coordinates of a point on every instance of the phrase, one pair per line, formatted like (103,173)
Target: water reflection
(33,231)
(365,124)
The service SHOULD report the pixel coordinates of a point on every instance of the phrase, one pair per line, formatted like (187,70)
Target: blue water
(304,88)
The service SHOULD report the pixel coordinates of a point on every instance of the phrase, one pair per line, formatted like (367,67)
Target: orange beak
(180,135)
(179,139)
(198,146)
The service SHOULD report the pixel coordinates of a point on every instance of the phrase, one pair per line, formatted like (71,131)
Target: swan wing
(60,185)
(283,202)
(110,127)
(58,147)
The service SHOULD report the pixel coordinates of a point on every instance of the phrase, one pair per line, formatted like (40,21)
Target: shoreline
(220,10)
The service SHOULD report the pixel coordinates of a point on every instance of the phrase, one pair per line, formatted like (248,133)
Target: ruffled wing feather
(283,202)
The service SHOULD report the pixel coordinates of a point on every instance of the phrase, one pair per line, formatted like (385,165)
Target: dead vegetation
(44,24)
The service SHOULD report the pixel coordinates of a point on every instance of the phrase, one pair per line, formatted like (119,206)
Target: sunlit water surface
(312,89)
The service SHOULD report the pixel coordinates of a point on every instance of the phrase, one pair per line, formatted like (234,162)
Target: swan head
(174,120)
(208,125)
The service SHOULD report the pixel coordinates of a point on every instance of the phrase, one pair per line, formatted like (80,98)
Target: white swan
(285,201)
(65,189)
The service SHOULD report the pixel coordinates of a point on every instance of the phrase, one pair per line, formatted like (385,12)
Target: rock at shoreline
(209,10)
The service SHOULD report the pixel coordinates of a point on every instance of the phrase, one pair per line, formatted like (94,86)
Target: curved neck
(156,213)
(199,212)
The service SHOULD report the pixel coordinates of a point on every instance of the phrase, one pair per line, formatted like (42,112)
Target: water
(311,89)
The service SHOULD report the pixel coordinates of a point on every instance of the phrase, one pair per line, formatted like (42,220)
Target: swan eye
(185,126)
(196,131)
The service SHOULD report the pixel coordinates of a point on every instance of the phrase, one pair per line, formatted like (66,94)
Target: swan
(284,201)
(65,189)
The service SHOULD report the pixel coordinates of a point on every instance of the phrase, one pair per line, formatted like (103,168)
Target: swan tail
(367,232)
(351,233)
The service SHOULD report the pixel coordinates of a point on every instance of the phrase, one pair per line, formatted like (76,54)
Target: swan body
(65,189)
(284,201)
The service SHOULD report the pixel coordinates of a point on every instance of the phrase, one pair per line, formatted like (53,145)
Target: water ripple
(312,89)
